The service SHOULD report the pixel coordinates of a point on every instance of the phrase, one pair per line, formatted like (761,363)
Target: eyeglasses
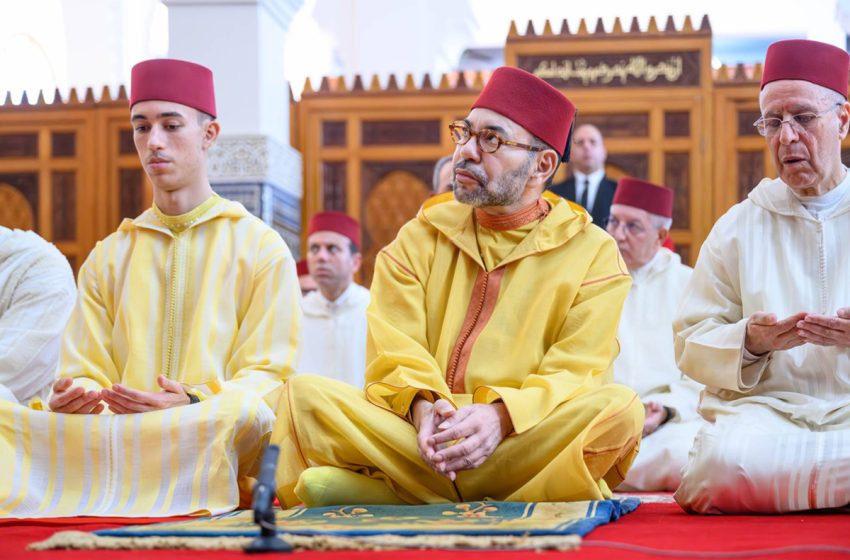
(770,126)
(489,141)
(632,228)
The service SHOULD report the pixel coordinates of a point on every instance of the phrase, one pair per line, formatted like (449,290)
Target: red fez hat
(301,268)
(167,79)
(655,199)
(812,61)
(337,222)
(533,104)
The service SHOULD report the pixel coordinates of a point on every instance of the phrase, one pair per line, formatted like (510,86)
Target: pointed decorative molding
(478,81)
(653,25)
(375,83)
(600,27)
(618,27)
(409,84)
(582,27)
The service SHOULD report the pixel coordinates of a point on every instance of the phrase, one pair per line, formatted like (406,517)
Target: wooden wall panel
(655,120)
(70,169)
(392,193)
(66,170)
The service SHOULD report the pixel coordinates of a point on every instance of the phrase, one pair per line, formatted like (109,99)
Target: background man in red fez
(640,220)
(334,339)
(765,322)
(491,334)
(305,281)
(188,314)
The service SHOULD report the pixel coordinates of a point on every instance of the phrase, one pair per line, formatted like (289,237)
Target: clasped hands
(765,333)
(119,398)
(452,440)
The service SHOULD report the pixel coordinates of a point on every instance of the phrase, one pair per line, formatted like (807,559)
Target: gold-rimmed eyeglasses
(770,126)
(488,140)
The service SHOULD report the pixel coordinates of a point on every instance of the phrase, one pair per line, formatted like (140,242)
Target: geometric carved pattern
(618,125)
(126,144)
(130,193)
(333,185)
(677,176)
(333,133)
(677,124)
(634,165)
(64,202)
(25,185)
(384,133)
(18,145)
(388,204)
(745,123)
(15,210)
(750,171)
(63,144)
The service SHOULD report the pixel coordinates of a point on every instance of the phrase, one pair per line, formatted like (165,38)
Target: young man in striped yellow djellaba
(186,324)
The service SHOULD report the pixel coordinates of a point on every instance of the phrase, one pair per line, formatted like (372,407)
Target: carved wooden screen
(371,151)
(649,93)
(60,164)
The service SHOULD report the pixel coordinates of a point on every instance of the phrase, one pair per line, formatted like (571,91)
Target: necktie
(584,194)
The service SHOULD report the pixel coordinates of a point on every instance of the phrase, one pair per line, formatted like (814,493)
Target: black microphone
(264,488)
(263,499)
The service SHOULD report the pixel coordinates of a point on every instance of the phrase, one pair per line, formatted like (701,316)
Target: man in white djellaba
(639,221)
(765,320)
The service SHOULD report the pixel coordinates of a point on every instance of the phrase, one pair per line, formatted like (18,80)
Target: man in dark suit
(588,184)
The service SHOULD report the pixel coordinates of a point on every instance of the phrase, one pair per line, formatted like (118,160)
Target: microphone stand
(267,541)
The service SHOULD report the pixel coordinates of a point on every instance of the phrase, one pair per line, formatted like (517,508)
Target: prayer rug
(477,525)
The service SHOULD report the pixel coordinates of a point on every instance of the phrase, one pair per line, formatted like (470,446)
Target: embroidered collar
(533,212)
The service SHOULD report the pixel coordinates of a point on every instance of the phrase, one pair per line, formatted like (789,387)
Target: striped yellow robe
(209,298)
(526,315)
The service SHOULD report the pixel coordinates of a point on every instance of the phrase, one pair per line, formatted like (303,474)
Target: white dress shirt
(592,181)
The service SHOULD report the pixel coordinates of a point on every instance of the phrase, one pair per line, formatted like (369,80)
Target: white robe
(334,339)
(37,294)
(647,364)
(779,438)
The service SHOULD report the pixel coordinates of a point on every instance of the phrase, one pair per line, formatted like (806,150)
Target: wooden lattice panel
(15,210)
(393,200)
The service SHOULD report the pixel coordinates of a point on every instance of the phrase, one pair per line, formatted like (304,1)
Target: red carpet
(661,527)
